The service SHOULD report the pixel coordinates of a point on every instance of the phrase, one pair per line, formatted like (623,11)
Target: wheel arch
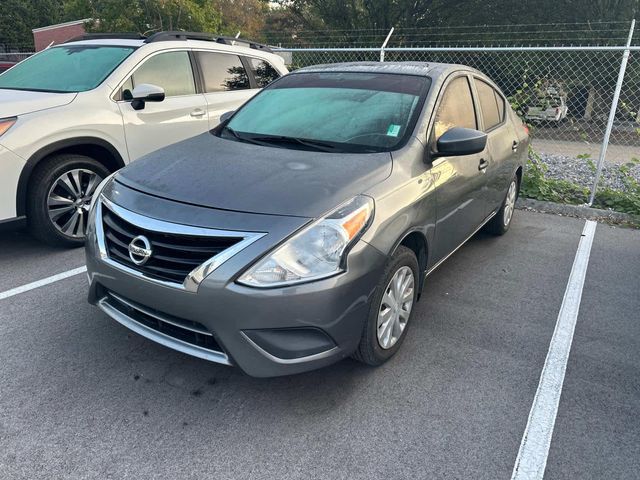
(415,240)
(519,172)
(93,147)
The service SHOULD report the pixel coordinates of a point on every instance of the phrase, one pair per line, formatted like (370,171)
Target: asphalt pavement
(83,397)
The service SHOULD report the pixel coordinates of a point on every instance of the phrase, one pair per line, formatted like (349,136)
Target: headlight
(6,124)
(318,251)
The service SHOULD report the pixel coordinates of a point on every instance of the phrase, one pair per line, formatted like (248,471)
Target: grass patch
(536,185)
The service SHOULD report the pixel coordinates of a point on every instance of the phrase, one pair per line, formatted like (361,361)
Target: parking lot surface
(82,397)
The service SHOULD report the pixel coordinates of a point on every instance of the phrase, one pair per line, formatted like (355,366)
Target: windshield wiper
(315,144)
(241,138)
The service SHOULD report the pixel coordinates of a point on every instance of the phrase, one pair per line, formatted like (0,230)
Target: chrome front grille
(173,257)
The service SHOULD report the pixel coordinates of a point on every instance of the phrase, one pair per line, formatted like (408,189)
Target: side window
(263,72)
(502,110)
(456,108)
(125,91)
(491,103)
(222,72)
(171,71)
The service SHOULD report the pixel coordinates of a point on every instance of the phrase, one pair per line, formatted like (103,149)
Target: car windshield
(353,112)
(68,68)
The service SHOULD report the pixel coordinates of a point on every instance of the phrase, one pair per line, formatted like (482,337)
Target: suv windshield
(353,112)
(69,68)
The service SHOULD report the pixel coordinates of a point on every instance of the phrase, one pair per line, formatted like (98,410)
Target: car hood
(19,102)
(225,174)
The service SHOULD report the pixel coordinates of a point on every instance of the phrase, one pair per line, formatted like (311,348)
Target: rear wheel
(391,309)
(500,223)
(60,192)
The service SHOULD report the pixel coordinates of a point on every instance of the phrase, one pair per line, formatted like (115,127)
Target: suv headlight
(318,251)
(6,124)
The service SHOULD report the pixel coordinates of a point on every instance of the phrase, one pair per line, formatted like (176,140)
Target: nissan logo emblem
(140,250)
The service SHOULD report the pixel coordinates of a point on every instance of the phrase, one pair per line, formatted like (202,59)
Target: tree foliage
(244,16)
(145,16)
(363,14)
(19,17)
(384,14)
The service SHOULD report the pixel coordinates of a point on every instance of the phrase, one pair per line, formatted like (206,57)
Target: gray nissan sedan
(302,229)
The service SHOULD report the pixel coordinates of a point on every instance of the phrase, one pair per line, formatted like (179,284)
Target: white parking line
(40,283)
(534,448)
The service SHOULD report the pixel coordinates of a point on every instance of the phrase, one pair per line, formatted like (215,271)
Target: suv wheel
(60,192)
(391,309)
(501,221)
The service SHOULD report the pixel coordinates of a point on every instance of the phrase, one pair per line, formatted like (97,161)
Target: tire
(371,350)
(56,206)
(499,224)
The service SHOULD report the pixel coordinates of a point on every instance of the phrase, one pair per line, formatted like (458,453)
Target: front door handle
(198,112)
(483,165)
(514,146)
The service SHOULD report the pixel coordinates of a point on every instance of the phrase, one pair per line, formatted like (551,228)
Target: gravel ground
(579,171)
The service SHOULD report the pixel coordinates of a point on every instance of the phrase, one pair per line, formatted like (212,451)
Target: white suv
(74,113)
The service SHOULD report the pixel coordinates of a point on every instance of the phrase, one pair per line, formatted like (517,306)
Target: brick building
(45,36)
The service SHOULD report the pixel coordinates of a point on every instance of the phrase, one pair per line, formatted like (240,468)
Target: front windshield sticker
(393,130)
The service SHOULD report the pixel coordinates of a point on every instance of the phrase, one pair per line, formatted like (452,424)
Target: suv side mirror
(460,141)
(146,92)
(226,116)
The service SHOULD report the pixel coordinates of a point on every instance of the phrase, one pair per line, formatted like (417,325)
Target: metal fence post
(612,115)
(386,40)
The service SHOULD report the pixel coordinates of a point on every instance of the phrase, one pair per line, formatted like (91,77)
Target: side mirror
(146,92)
(226,116)
(460,141)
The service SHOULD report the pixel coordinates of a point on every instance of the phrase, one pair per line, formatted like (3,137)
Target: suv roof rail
(244,43)
(107,36)
(207,37)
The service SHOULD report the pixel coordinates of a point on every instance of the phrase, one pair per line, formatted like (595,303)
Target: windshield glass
(356,112)
(69,68)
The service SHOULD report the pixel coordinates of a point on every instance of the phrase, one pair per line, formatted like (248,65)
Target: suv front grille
(174,256)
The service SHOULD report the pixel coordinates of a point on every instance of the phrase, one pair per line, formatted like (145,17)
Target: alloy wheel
(69,199)
(510,203)
(395,308)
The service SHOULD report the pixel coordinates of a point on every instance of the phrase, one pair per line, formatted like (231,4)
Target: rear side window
(222,72)
(171,71)
(456,108)
(263,72)
(491,103)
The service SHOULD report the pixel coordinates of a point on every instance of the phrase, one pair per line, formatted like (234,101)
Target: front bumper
(265,332)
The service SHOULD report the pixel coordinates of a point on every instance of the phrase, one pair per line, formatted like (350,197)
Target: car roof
(425,69)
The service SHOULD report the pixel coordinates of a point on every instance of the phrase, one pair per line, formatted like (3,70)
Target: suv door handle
(198,112)
(514,146)
(483,164)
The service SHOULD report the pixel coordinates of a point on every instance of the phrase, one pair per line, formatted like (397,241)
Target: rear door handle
(483,164)
(514,146)
(198,112)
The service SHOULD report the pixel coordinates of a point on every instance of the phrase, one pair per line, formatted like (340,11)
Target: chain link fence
(582,105)
(564,93)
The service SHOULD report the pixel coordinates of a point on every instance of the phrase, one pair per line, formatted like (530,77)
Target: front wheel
(391,309)
(500,223)
(60,192)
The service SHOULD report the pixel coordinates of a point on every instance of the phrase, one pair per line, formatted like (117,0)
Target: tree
(363,14)
(19,17)
(244,16)
(146,16)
